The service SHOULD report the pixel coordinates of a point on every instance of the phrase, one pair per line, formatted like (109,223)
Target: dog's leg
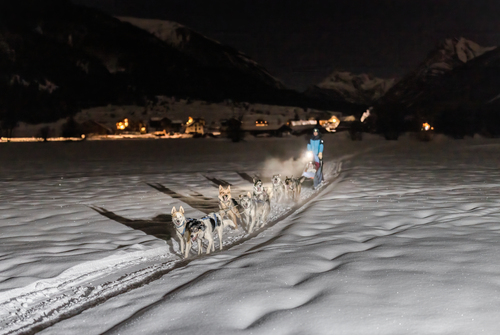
(233,218)
(200,246)
(213,244)
(181,242)
(219,231)
(188,248)
(210,240)
(247,220)
(266,214)
(252,224)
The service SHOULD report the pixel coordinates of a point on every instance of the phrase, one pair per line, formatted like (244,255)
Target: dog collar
(176,226)
(180,227)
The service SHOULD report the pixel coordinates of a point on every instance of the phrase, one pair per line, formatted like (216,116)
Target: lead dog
(278,188)
(293,186)
(248,206)
(205,228)
(228,204)
(181,229)
(262,203)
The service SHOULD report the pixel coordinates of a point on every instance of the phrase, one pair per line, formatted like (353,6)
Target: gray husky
(248,206)
(293,186)
(278,188)
(262,201)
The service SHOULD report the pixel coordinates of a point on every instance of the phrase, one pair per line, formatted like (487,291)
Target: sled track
(48,304)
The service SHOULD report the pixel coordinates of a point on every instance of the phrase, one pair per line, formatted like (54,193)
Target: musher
(315,146)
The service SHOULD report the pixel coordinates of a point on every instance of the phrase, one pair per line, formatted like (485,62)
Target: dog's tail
(301,180)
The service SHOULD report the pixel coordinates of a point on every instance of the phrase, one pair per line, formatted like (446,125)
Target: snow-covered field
(403,241)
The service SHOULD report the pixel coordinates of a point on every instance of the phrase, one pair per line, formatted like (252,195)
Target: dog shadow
(196,200)
(245,176)
(218,182)
(160,226)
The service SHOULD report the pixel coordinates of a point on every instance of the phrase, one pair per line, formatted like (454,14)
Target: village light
(122,124)
(426,127)
(331,124)
(334,120)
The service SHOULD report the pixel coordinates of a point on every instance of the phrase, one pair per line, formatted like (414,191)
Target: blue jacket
(316,146)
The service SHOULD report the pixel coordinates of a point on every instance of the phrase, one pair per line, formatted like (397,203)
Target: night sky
(301,42)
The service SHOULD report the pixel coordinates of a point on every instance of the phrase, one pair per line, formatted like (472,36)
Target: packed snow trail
(391,248)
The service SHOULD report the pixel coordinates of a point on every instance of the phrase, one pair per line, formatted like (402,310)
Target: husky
(262,203)
(206,227)
(293,187)
(182,230)
(228,204)
(278,188)
(248,206)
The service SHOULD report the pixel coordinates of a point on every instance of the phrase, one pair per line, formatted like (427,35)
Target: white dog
(278,188)
(262,201)
(205,228)
(181,229)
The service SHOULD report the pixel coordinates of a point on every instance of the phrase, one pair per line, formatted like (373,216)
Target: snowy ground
(402,241)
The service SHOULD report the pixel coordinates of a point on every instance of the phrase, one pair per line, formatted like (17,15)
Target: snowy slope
(361,89)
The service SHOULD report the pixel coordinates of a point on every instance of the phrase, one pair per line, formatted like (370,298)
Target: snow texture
(403,239)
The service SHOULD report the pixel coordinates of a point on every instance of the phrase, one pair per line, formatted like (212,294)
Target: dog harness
(230,204)
(213,221)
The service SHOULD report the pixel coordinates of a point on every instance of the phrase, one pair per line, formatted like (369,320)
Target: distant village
(172,118)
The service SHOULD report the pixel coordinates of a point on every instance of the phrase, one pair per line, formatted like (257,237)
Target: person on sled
(315,146)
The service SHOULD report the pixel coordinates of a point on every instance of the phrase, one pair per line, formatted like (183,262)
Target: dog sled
(314,172)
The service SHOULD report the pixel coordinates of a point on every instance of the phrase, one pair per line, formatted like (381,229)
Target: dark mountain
(449,55)
(56,58)
(207,52)
(451,89)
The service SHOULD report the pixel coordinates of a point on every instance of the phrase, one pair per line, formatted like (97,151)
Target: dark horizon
(302,43)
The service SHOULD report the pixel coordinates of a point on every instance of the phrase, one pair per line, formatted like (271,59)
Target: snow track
(28,310)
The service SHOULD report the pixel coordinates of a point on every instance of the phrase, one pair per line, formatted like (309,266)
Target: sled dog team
(251,208)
